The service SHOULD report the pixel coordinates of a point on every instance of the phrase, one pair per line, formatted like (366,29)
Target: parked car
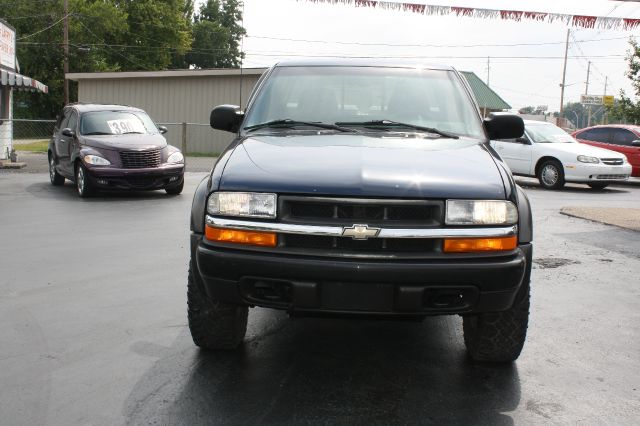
(362,188)
(555,157)
(113,147)
(622,138)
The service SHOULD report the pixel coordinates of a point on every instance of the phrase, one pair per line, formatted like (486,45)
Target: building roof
(486,97)
(77,76)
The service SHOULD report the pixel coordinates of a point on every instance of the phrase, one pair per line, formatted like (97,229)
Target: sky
(291,29)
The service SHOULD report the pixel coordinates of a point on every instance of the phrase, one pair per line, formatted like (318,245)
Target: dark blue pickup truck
(362,188)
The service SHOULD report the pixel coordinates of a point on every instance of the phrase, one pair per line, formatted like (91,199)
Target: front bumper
(167,175)
(585,173)
(306,284)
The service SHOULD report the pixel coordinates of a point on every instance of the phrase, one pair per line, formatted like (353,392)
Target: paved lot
(93,328)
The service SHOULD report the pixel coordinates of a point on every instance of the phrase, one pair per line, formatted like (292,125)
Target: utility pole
(488,70)
(564,74)
(604,117)
(586,92)
(66,51)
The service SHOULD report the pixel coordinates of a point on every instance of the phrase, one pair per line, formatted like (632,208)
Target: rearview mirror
(635,143)
(68,132)
(227,118)
(501,125)
(162,129)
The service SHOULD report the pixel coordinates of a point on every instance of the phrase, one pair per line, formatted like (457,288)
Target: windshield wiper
(292,123)
(130,133)
(95,133)
(390,123)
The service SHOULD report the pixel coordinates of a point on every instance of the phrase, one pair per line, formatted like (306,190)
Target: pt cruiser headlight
(587,159)
(481,212)
(96,160)
(176,157)
(247,204)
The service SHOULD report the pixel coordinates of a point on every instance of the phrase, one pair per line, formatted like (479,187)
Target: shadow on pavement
(326,371)
(68,191)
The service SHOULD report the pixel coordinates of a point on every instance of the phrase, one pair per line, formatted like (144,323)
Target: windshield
(116,123)
(350,95)
(548,133)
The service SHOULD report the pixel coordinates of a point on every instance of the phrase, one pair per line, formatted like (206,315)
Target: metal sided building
(173,98)
(10,80)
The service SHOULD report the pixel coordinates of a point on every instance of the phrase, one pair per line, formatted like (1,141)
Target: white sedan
(555,157)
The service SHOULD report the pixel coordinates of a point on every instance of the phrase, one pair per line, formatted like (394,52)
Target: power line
(353,43)
(44,29)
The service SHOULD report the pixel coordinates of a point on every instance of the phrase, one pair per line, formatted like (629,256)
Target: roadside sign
(7,46)
(607,100)
(591,99)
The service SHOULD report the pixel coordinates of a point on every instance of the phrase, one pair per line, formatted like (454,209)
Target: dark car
(362,189)
(622,138)
(113,147)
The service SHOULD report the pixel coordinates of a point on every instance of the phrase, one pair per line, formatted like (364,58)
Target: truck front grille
(346,212)
(373,212)
(140,159)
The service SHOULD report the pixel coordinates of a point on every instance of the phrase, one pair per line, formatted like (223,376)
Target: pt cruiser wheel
(551,175)
(83,184)
(56,178)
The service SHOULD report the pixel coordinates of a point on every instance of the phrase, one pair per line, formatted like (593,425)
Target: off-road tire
(213,324)
(56,178)
(551,174)
(175,190)
(598,186)
(498,336)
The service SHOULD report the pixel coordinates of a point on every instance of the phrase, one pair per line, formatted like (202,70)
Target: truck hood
(126,142)
(377,165)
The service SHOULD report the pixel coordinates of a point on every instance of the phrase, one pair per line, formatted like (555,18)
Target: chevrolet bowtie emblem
(360,232)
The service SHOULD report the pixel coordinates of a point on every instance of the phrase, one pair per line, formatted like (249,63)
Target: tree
(217,35)
(625,109)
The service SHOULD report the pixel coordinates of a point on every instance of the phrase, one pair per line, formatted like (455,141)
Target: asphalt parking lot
(93,328)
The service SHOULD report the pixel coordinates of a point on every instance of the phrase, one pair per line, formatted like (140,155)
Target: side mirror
(162,129)
(635,143)
(226,118)
(500,125)
(68,132)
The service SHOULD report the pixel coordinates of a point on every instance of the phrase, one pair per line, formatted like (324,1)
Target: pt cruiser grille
(140,159)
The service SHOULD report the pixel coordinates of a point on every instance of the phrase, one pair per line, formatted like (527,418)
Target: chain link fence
(191,138)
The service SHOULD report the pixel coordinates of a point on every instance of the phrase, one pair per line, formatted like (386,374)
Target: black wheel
(551,174)
(498,336)
(175,190)
(56,178)
(598,186)
(213,324)
(83,184)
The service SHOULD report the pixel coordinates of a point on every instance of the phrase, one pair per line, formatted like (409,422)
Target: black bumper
(357,286)
(109,178)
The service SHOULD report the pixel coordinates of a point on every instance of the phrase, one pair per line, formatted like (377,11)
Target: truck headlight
(175,158)
(96,160)
(587,159)
(248,204)
(481,212)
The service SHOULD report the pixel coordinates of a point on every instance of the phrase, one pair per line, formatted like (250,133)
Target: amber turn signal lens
(266,239)
(470,245)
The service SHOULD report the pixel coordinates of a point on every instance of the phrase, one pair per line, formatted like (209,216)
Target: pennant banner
(599,22)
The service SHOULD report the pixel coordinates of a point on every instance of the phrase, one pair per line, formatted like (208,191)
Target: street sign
(591,99)
(607,100)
